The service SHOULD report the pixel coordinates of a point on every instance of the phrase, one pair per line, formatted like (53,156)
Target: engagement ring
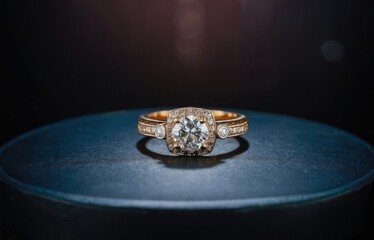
(192,131)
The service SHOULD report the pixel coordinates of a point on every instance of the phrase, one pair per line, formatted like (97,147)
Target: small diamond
(160,131)
(223,131)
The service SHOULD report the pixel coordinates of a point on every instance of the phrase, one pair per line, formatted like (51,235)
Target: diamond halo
(190,131)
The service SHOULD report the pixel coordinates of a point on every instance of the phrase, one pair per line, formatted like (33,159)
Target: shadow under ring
(192,162)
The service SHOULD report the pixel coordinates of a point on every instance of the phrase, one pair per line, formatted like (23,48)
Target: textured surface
(101,159)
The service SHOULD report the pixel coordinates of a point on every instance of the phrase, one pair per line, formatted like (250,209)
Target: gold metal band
(236,123)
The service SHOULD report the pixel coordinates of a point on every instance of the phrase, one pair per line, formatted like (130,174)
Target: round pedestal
(96,177)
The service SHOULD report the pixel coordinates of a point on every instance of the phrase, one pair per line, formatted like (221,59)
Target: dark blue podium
(95,177)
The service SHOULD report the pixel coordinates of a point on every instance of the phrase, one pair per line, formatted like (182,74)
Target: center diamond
(190,133)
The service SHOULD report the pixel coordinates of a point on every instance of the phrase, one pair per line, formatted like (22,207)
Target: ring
(192,131)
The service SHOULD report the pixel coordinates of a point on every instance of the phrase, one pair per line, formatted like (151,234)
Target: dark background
(61,59)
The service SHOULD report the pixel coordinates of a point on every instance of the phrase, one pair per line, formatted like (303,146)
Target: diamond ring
(192,131)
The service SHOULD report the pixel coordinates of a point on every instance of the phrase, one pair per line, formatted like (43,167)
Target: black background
(61,59)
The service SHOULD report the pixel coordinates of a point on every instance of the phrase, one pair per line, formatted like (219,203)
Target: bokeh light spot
(332,51)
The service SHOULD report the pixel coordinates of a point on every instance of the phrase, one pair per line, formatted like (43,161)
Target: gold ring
(192,131)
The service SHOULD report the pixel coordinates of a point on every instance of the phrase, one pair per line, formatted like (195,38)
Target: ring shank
(237,123)
(218,115)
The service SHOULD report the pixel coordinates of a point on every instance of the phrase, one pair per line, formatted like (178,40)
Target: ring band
(192,131)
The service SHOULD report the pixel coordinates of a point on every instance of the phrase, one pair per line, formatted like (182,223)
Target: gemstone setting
(223,131)
(160,131)
(190,131)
